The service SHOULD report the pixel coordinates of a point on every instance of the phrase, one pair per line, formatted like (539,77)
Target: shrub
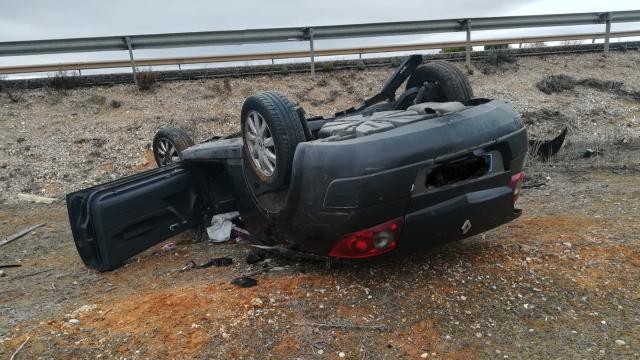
(535,44)
(115,103)
(496,47)
(360,65)
(322,82)
(454,49)
(327,66)
(497,57)
(63,80)
(146,79)
(556,83)
(396,61)
(227,85)
(15,94)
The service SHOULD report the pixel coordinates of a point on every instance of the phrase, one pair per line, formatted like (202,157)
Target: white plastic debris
(36,199)
(221,225)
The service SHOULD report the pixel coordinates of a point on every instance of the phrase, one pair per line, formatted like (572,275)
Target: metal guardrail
(211,38)
(300,54)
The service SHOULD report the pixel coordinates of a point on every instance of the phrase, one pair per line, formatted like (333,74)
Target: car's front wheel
(168,144)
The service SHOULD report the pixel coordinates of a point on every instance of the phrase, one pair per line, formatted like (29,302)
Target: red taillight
(516,185)
(369,242)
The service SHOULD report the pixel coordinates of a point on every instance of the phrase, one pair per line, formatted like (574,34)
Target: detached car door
(114,221)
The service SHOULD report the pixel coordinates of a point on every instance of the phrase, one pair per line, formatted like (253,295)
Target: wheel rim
(262,149)
(167,152)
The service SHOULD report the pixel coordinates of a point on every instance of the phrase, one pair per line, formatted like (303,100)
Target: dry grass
(146,79)
(63,80)
(571,42)
(15,94)
(537,44)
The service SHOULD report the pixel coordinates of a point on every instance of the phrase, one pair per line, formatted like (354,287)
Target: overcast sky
(46,19)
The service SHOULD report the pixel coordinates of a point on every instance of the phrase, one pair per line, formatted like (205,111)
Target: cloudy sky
(46,19)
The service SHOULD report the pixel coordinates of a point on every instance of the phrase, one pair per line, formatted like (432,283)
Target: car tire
(271,131)
(452,83)
(168,144)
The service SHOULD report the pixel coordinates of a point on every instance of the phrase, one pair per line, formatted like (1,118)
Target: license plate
(489,159)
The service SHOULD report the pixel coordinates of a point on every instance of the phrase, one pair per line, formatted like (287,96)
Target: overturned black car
(429,166)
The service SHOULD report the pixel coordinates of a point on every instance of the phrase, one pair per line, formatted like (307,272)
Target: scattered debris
(221,261)
(379,327)
(168,246)
(589,153)
(221,225)
(83,309)
(16,277)
(264,269)
(20,234)
(13,356)
(257,301)
(256,256)
(36,199)
(2,274)
(244,281)
(6,266)
(74,321)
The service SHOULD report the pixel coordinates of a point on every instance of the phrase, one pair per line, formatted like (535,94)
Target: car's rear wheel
(448,82)
(271,131)
(168,144)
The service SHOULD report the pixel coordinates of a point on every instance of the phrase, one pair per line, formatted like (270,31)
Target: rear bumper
(458,218)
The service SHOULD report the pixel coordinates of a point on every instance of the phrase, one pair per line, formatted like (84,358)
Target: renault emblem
(466,227)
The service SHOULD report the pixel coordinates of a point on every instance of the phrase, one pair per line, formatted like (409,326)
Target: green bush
(454,49)
(328,66)
(497,57)
(496,47)
(396,61)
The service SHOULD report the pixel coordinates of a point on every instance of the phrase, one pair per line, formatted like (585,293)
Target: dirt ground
(562,281)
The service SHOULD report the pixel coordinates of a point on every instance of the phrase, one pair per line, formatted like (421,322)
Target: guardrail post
(607,32)
(467,25)
(313,65)
(127,40)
